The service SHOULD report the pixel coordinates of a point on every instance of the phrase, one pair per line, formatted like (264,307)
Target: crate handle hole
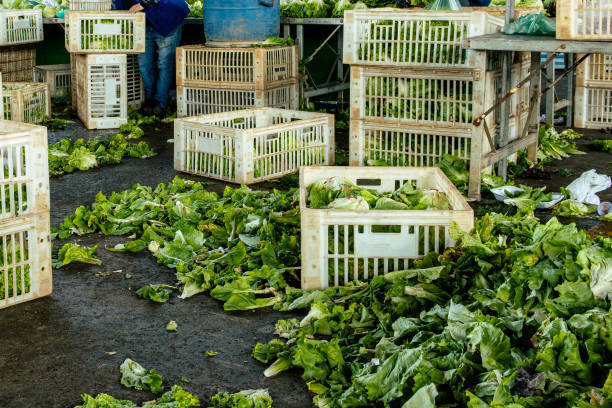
(369,182)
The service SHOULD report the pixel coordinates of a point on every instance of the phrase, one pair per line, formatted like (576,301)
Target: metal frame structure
(501,149)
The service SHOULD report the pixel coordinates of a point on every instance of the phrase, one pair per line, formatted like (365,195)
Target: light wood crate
(252,145)
(17,62)
(236,68)
(339,246)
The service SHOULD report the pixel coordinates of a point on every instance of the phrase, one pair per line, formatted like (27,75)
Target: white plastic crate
(17,62)
(20,26)
(26,101)
(135,87)
(434,98)
(57,76)
(102,90)
(90,5)
(25,259)
(584,20)
(595,71)
(415,37)
(203,101)
(593,108)
(73,81)
(236,68)
(343,245)
(24,181)
(105,32)
(252,145)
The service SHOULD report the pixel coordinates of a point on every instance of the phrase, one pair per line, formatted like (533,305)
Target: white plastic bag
(585,187)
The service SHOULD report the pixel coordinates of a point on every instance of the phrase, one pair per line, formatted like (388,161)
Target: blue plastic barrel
(240,22)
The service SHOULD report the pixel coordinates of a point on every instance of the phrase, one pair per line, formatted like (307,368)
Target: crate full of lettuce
(253,145)
(20,26)
(360,222)
(416,37)
(105,32)
(27,102)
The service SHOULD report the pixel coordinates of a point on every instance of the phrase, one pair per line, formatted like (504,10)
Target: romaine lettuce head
(386,203)
(350,203)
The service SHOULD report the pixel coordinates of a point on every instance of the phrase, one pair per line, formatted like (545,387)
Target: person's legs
(166,61)
(146,63)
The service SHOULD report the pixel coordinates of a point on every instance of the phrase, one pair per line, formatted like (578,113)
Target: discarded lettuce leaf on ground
(572,208)
(171,326)
(157,293)
(133,375)
(210,353)
(177,397)
(75,253)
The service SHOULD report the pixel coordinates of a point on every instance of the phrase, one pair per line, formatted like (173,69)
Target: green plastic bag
(532,24)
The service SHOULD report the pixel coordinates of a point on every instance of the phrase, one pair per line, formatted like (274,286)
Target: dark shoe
(159,112)
(147,108)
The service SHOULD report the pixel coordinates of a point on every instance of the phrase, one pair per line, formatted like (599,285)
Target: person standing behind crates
(165,20)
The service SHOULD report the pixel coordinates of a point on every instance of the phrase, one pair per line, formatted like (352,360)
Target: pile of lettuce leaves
(517,314)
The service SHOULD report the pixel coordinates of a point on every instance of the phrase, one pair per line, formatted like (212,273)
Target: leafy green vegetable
(134,375)
(210,353)
(175,398)
(527,197)
(265,353)
(605,145)
(456,171)
(171,326)
(75,253)
(572,208)
(157,293)
(242,399)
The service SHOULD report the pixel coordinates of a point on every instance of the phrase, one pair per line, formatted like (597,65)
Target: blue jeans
(157,63)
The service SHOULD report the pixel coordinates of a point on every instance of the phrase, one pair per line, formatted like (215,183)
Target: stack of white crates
(415,90)
(99,43)
(214,80)
(19,31)
(25,245)
(593,97)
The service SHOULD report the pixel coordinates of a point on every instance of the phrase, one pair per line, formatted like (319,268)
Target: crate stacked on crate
(213,80)
(25,245)
(584,20)
(99,43)
(593,96)
(342,245)
(415,89)
(250,146)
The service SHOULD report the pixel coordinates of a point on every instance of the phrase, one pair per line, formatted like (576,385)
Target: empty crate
(101,90)
(25,101)
(339,246)
(593,95)
(584,20)
(236,68)
(57,76)
(20,26)
(17,62)
(192,101)
(415,38)
(252,145)
(25,259)
(105,32)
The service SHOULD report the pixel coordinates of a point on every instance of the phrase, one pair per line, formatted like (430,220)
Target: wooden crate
(395,37)
(253,145)
(203,101)
(17,62)
(105,32)
(236,68)
(24,181)
(20,26)
(584,20)
(26,101)
(57,76)
(101,90)
(135,88)
(339,246)
(25,262)
(90,5)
